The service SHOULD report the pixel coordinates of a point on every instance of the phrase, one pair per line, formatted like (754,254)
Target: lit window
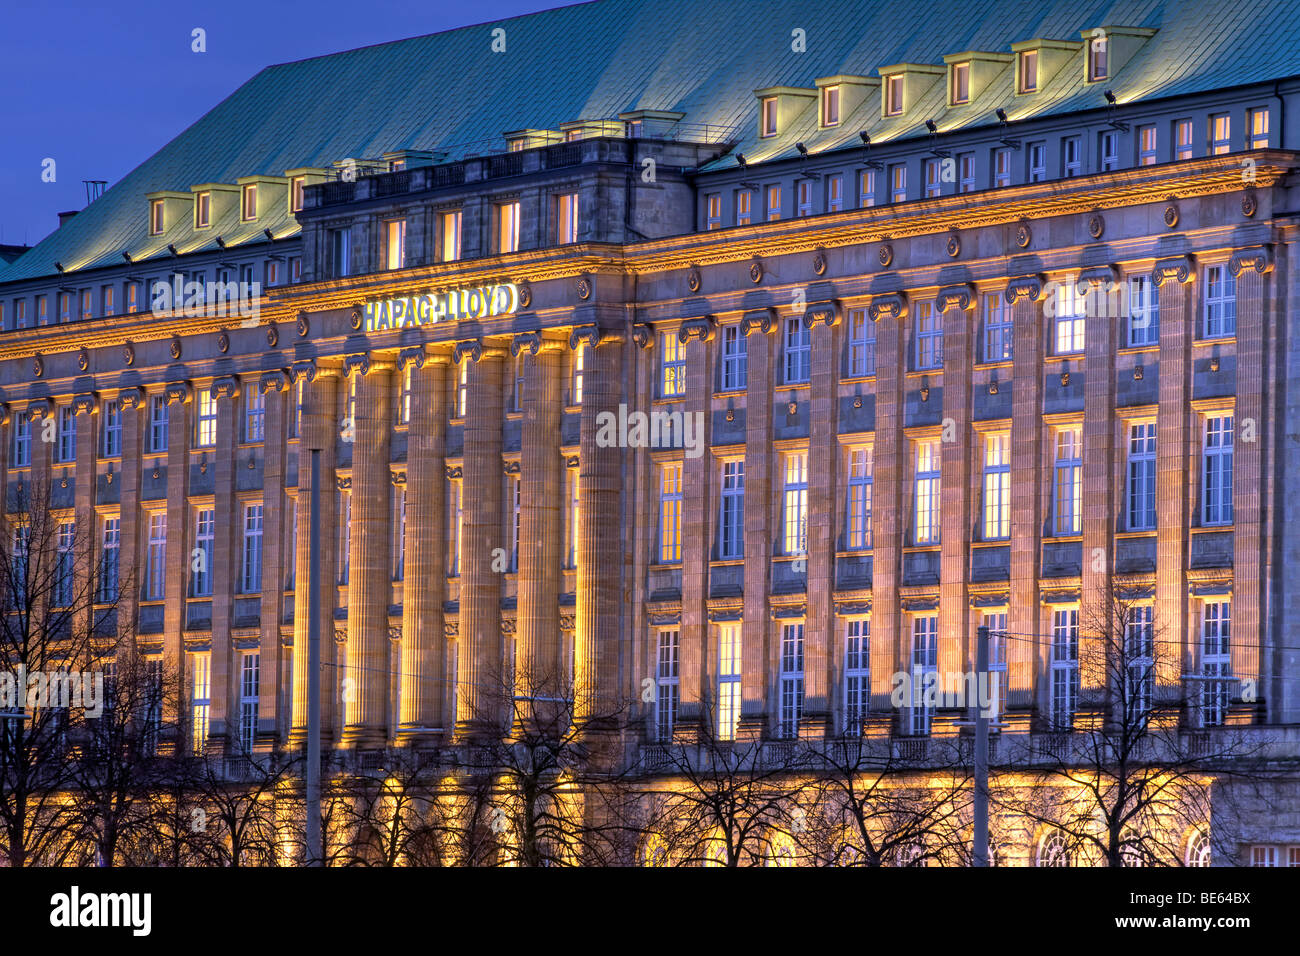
(768,120)
(514,495)
(462,388)
(1067,481)
(927,490)
(1037,162)
(804,204)
(249,689)
(966,172)
(66,449)
(1028,70)
(399,564)
(867,189)
(1109,150)
(735,359)
(1183,138)
(672,368)
(571,525)
(729,671)
(712,211)
(155,217)
(744,204)
(797,351)
(1198,850)
(1257,129)
(204,536)
(1144,312)
(455,519)
(449,236)
(22,452)
(251,569)
(997,486)
(731,524)
(112,429)
(1141,476)
(254,414)
(1220,134)
(395,244)
(202,210)
(159,422)
(667,683)
(572,135)
(791,678)
(1071,156)
(1070,319)
(404,396)
(773,203)
(862,343)
(1001,167)
(894,95)
(1263,856)
(631,129)
(110,550)
(200,699)
(998,328)
(1097,59)
(205,422)
(507,227)
(1053,850)
(1216,660)
(155,577)
(1146,145)
(830,106)
(898,183)
(670,513)
(1220,302)
(857,674)
(340,252)
(248,202)
(933,178)
(859,498)
(996,622)
(925,667)
(960,87)
(929,337)
(345,534)
(794,505)
(566,218)
(1216,470)
(1065,668)
(65,307)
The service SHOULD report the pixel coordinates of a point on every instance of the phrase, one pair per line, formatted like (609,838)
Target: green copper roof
(703,58)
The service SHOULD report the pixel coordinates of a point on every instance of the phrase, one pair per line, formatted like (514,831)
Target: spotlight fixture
(803,150)
(59,266)
(934,137)
(126,256)
(803,157)
(1110,97)
(743,163)
(1113,102)
(867,161)
(221,243)
(171,247)
(1002,114)
(929,124)
(269,234)
(1002,130)
(741,160)
(865,137)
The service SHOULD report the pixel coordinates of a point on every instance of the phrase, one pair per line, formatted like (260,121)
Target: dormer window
(830,106)
(1028,72)
(155,217)
(396,165)
(572,135)
(632,129)
(894,95)
(1097,60)
(296,186)
(959,92)
(767,118)
(248,202)
(202,210)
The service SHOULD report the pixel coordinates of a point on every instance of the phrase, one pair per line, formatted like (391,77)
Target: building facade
(725,416)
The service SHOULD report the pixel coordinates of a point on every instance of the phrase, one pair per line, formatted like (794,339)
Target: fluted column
(272,706)
(228,531)
(539,662)
(756,627)
(820,637)
(369,547)
(424,587)
(697,708)
(480,678)
(957,450)
(597,618)
(131,402)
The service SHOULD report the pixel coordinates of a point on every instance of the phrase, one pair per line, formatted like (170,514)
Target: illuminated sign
(478,302)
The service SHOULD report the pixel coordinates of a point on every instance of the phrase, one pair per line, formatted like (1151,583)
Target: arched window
(1198,849)
(1052,850)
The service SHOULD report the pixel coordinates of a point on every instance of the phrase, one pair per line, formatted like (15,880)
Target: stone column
(756,627)
(822,644)
(369,547)
(179,533)
(228,544)
(1027,658)
(424,587)
(539,663)
(131,401)
(599,596)
(697,709)
(130,568)
(319,430)
(890,653)
(481,680)
(272,709)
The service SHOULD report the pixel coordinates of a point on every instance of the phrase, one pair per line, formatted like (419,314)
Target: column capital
(454,472)
(4,413)
(525,341)
(273,381)
(891,306)
(411,356)
(1180,268)
(304,369)
(467,348)
(129,398)
(827,312)
(1259,258)
(1097,276)
(762,319)
(701,327)
(1025,287)
(356,364)
(86,402)
(228,386)
(642,335)
(960,296)
(589,334)
(177,392)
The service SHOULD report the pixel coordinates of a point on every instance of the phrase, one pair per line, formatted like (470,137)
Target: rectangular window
(455,515)
(132,297)
(1067,482)
(767,120)
(929,337)
(861,469)
(1028,72)
(830,106)
(1037,162)
(42,310)
(86,304)
(997,486)
(894,95)
(1071,156)
(672,365)
(1070,319)
(65,307)
(202,210)
(64,565)
(925,668)
(670,513)
(1220,134)
(731,523)
(959,89)
(1098,66)
(933,178)
(449,236)
(794,505)
(898,183)
(200,699)
(1146,145)
(345,535)
(996,622)
(155,217)
(110,544)
(1257,128)
(340,252)
(248,202)
(927,489)
(296,186)
(857,675)
(797,352)
(1144,312)
(250,665)
(966,172)
(254,414)
(1141,483)
(867,189)
(395,244)
(20,553)
(773,203)
(20,313)
(791,680)
(744,206)
(251,568)
(1220,302)
(159,423)
(1216,470)
(22,439)
(735,359)
(667,683)
(1216,660)
(1065,668)
(155,579)
(804,201)
(1108,149)
(1184,148)
(834,193)
(201,565)
(729,671)
(205,421)
(712,211)
(572,512)
(862,343)
(1139,661)
(399,562)
(1001,167)
(112,429)
(66,449)
(514,497)
(507,227)
(462,388)
(998,328)
(1263,856)
(566,218)
(106,300)
(404,395)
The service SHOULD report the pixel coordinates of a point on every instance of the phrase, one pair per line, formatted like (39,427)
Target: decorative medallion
(1138,372)
(525,295)
(1214,364)
(792,408)
(128,353)
(38,366)
(584,287)
(83,360)
(857,401)
(355,318)
(731,414)
(993,388)
(1171,215)
(1249,204)
(819,262)
(223,342)
(175,347)
(1065,378)
(954,245)
(303,325)
(756,271)
(693,279)
(1023,235)
(1096,225)
(925,390)
(885,255)
(272,336)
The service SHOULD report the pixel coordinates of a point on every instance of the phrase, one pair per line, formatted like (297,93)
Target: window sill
(1216,340)
(1143,533)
